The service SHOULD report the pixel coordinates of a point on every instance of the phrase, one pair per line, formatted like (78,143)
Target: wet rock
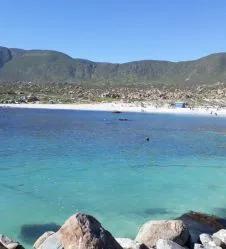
(199,223)
(152,231)
(6,243)
(82,231)
(167,244)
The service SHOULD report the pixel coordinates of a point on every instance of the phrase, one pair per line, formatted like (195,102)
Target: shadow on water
(31,232)
(156,211)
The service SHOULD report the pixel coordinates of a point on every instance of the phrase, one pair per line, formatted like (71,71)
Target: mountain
(44,66)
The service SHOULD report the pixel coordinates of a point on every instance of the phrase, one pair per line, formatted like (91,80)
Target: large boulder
(167,244)
(199,223)
(6,243)
(152,231)
(82,231)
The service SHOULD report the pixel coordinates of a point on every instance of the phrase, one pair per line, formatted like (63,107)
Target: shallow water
(54,163)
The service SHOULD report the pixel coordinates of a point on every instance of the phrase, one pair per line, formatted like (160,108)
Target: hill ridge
(49,66)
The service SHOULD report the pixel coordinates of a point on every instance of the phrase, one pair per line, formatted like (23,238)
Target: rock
(32,98)
(41,239)
(221,234)
(152,231)
(51,242)
(205,238)
(217,242)
(208,240)
(199,223)
(82,231)
(6,243)
(199,246)
(126,243)
(167,244)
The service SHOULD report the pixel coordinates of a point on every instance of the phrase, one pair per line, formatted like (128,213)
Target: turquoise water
(54,163)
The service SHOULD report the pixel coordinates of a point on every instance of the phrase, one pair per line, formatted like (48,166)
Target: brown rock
(82,231)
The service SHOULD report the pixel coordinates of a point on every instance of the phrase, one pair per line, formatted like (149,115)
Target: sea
(54,163)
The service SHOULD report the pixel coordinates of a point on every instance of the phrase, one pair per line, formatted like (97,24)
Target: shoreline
(124,107)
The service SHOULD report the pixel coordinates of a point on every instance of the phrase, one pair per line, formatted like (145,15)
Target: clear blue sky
(116,31)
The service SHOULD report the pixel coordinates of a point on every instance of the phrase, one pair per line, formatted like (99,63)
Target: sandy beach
(125,107)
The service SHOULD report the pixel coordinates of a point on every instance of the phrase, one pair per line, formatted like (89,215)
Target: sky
(116,31)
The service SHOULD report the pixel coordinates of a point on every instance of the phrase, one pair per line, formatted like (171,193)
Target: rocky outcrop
(6,243)
(152,231)
(82,231)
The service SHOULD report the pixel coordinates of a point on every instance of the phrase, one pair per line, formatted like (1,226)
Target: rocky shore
(206,95)
(83,231)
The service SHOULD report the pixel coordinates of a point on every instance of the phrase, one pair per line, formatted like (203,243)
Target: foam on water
(54,163)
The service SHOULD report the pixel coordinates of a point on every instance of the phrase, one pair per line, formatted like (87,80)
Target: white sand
(124,107)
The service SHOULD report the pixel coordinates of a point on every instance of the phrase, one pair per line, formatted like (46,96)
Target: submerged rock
(152,231)
(82,231)
(6,243)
